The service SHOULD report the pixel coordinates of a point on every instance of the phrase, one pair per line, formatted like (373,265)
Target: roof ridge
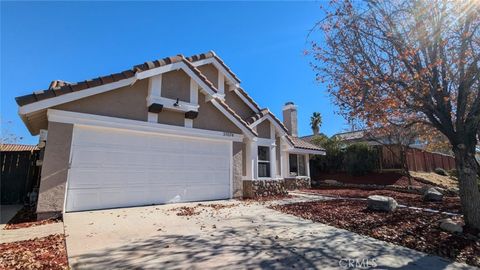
(60,87)
(212,54)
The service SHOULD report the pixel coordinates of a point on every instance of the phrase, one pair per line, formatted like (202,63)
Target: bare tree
(409,61)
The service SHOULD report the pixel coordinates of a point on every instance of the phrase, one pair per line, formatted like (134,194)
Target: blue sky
(262,42)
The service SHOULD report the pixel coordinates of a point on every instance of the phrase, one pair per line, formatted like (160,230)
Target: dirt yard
(388,178)
(436,179)
(410,228)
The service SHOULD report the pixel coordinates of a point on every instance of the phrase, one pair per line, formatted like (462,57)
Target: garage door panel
(195,193)
(91,178)
(113,168)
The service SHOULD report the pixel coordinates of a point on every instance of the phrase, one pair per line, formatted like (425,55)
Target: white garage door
(118,168)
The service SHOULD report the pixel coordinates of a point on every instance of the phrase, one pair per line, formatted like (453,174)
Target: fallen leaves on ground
(39,253)
(410,228)
(386,178)
(27,217)
(195,210)
(266,198)
(436,179)
(449,204)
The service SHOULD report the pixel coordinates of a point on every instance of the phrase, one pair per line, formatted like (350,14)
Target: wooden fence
(417,160)
(19,175)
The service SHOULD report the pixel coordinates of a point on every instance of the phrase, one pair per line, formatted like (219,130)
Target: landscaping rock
(433,195)
(332,182)
(453,191)
(381,203)
(450,226)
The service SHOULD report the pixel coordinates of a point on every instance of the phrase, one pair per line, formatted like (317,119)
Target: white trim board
(138,126)
(235,83)
(248,102)
(277,126)
(46,103)
(304,151)
(168,104)
(233,119)
(50,102)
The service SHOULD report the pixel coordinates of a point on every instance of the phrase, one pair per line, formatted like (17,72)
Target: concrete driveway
(239,235)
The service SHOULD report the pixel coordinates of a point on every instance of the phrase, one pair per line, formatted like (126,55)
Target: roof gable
(61,92)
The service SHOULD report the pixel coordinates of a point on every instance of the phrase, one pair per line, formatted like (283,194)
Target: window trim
(268,162)
(299,156)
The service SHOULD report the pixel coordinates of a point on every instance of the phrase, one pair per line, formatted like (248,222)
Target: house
(172,130)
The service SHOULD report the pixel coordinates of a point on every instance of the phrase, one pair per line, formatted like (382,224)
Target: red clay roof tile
(211,54)
(7,147)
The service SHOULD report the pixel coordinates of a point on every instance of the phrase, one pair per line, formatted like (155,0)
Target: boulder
(381,203)
(454,191)
(332,182)
(450,226)
(433,195)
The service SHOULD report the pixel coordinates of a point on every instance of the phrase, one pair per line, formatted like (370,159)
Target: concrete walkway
(241,235)
(7,212)
(8,236)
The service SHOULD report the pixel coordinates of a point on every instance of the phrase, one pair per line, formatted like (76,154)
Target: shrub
(359,159)
(333,159)
(453,173)
(441,171)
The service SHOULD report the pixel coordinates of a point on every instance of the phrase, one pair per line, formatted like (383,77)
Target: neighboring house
(171,130)
(361,136)
(417,157)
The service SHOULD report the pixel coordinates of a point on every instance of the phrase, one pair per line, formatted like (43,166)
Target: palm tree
(316,122)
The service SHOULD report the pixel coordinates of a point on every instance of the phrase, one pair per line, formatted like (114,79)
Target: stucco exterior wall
(171,118)
(211,72)
(263,129)
(128,102)
(211,118)
(176,84)
(237,168)
(234,101)
(54,170)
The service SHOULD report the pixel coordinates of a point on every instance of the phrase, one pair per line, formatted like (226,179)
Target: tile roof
(210,54)
(249,98)
(231,111)
(59,87)
(299,143)
(262,113)
(7,147)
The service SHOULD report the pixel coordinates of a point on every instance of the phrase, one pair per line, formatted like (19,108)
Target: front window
(263,161)
(297,165)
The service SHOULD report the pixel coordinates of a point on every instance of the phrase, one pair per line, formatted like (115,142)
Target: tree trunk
(467,180)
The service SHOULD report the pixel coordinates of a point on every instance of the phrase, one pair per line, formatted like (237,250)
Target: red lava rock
(449,204)
(27,217)
(266,198)
(414,229)
(388,178)
(39,253)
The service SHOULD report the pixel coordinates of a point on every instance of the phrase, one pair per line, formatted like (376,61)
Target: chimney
(290,118)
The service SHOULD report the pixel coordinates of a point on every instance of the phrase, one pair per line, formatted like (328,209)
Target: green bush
(441,171)
(452,173)
(359,159)
(332,161)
